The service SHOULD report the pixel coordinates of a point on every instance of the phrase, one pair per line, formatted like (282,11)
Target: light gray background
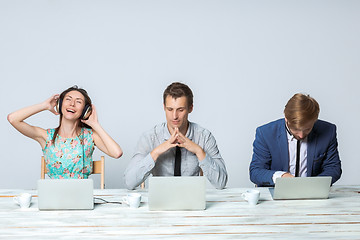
(242,59)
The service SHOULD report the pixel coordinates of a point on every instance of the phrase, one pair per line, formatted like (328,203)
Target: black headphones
(85,113)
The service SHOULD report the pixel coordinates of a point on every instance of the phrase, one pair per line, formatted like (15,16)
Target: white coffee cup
(133,200)
(23,200)
(252,196)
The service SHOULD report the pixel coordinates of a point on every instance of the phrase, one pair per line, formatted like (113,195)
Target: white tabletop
(227,216)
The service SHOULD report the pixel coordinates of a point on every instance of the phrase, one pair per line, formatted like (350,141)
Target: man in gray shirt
(177,138)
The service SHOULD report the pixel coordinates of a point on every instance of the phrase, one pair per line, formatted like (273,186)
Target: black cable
(104,201)
(83,153)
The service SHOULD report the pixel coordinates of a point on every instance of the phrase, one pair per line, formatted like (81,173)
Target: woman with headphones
(68,148)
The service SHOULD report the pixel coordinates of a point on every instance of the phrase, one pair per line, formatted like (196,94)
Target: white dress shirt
(292,144)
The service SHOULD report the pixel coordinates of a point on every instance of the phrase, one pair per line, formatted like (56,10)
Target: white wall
(243,60)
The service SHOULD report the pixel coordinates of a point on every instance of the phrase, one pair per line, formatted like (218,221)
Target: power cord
(104,201)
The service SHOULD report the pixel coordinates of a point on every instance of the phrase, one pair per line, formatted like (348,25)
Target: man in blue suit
(298,145)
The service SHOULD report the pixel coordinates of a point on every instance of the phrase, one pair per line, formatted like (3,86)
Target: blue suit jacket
(271,152)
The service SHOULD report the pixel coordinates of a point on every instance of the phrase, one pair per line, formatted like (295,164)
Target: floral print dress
(65,158)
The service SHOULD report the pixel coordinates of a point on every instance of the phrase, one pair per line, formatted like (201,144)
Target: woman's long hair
(62,95)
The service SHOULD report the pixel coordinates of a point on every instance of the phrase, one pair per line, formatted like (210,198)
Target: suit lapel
(283,146)
(311,147)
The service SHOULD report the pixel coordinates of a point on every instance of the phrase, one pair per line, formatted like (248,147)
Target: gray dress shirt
(142,164)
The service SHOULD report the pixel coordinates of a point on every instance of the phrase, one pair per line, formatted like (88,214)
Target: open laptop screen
(301,188)
(65,194)
(177,193)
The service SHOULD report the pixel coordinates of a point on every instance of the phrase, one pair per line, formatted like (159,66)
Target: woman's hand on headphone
(51,103)
(93,119)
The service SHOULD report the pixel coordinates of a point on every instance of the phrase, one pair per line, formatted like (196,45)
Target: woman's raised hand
(51,102)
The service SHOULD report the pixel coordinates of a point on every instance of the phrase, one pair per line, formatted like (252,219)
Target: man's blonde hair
(300,110)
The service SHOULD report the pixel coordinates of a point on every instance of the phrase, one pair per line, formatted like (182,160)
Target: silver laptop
(177,193)
(65,194)
(301,188)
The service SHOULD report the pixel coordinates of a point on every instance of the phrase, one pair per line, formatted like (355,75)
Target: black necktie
(297,169)
(177,167)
